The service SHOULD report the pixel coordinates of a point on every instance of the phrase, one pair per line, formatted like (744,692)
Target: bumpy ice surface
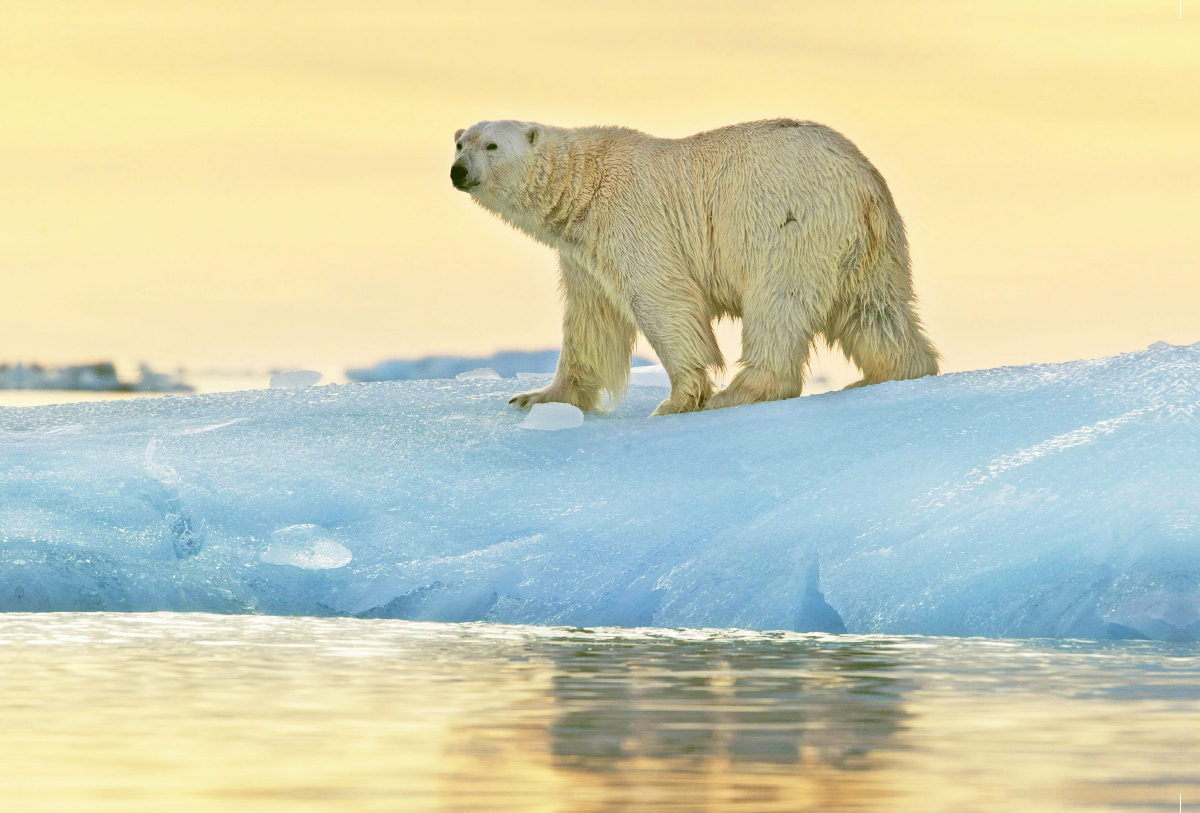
(1058,500)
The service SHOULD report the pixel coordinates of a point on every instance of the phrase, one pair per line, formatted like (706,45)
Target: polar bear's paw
(729,397)
(666,408)
(689,393)
(753,385)
(674,406)
(550,394)
(525,400)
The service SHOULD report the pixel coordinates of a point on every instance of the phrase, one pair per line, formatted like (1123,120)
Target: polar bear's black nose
(458,174)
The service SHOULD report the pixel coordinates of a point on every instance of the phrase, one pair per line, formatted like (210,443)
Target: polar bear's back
(738,191)
(786,161)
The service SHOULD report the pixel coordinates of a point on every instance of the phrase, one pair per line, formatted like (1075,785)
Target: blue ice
(1045,500)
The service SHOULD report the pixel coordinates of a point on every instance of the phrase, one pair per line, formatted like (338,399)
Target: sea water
(185,712)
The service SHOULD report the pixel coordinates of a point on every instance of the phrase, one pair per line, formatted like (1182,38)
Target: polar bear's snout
(458,177)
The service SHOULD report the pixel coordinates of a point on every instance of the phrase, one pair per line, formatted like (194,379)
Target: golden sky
(267,182)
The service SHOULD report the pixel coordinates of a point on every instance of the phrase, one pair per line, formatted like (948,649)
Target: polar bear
(782,223)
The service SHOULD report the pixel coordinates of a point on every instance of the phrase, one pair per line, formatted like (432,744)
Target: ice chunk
(652,375)
(294,378)
(552,417)
(481,372)
(307,547)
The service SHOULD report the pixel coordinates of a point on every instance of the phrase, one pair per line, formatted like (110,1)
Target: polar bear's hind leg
(887,344)
(777,335)
(875,319)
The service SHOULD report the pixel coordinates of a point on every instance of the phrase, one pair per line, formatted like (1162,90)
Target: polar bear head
(491,159)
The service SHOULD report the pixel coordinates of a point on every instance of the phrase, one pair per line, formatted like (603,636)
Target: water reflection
(777,703)
(146,712)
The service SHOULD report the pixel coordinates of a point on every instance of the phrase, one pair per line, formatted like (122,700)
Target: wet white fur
(784,224)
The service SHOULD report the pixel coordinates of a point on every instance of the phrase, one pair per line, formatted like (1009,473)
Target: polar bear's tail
(876,321)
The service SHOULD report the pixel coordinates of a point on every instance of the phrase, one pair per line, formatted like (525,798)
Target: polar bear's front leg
(598,339)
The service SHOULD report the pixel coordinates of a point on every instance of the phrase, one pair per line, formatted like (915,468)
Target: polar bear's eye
(491,147)
(458,146)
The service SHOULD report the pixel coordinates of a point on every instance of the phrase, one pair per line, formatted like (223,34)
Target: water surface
(148,712)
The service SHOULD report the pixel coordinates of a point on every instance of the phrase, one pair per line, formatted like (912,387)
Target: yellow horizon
(227,183)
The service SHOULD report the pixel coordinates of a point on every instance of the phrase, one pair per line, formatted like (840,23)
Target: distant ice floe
(505,364)
(1046,500)
(98,377)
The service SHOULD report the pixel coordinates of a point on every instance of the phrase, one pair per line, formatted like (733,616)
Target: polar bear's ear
(532,133)
(458,134)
